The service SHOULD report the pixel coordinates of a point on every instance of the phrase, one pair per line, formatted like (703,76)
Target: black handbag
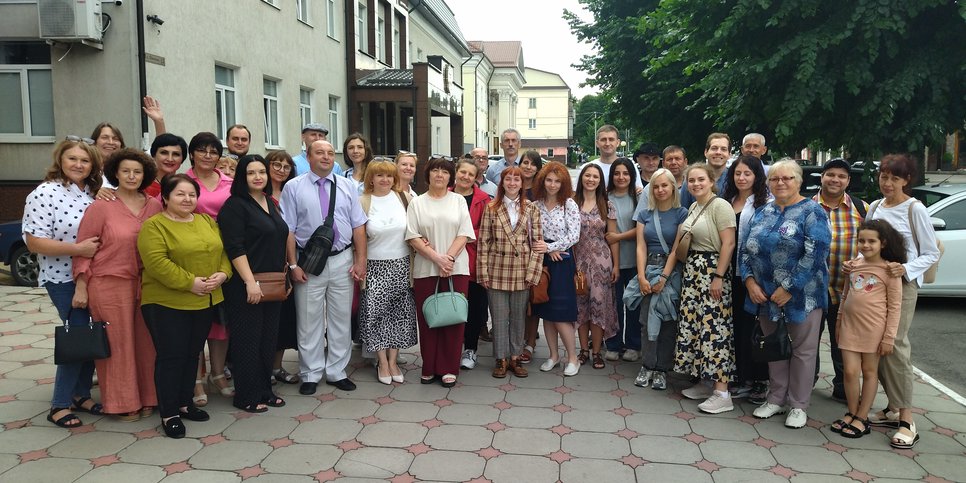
(316,251)
(81,343)
(776,346)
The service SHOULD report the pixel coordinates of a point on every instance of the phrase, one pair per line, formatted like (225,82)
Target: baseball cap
(315,126)
(650,149)
(836,163)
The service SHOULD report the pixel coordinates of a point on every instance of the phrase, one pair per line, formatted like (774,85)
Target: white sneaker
(796,418)
(571,369)
(697,391)
(548,365)
(631,355)
(643,377)
(612,355)
(716,404)
(468,361)
(768,410)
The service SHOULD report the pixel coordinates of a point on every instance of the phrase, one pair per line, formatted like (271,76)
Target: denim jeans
(72,380)
(628,334)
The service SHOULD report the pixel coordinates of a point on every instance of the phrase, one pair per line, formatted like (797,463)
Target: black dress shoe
(173,428)
(344,384)
(308,388)
(194,414)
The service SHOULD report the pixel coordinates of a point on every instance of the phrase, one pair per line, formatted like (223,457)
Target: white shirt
(512,209)
(386,228)
(54,211)
(898,216)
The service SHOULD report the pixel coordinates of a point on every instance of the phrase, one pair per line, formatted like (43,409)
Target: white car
(947,209)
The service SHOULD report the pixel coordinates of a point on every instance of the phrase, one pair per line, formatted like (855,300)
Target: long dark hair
(631,189)
(893,244)
(239,185)
(600,194)
(759,188)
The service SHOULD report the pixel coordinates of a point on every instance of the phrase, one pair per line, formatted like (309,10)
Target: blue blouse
(788,248)
(670,220)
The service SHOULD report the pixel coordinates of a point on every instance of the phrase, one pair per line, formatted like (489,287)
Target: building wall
(428,40)
(550,97)
(476,99)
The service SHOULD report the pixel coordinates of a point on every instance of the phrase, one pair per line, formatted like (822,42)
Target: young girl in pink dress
(868,320)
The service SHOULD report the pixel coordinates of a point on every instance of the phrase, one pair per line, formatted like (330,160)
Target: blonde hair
(56,170)
(376,168)
(675,192)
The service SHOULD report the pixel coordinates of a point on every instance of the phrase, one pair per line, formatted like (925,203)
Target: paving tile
(16,370)
(414,391)
(953,421)
(91,445)
(230,455)
(527,417)
(393,434)
(669,472)
(346,409)
(692,407)
(8,461)
(589,381)
(294,405)
(260,427)
(590,420)
(476,377)
(30,438)
(202,476)
(726,429)
(24,355)
(775,430)
(666,449)
(540,380)
(160,451)
(123,472)
(657,424)
(377,463)
(326,431)
(736,454)
(950,467)
(543,398)
(279,478)
(473,414)
(364,390)
(459,438)
(219,422)
(447,466)
(476,395)
(729,475)
(595,445)
(21,339)
(651,405)
(113,424)
(303,459)
(810,459)
(17,410)
(584,469)
(413,412)
(47,470)
(526,441)
(873,441)
(818,478)
(936,403)
(513,468)
(883,464)
(592,400)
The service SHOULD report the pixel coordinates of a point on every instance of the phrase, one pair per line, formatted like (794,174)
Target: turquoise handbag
(444,309)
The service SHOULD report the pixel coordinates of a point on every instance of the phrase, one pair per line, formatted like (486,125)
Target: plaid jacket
(844,220)
(504,259)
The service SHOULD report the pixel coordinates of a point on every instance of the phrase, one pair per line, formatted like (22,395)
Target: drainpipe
(142,71)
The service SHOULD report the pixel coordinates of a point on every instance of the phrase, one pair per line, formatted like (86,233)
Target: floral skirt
(705,346)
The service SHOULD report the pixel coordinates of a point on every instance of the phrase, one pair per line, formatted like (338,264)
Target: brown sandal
(583,356)
(599,361)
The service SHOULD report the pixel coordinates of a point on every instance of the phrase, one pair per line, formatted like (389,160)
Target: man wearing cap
(311,133)
(845,214)
(648,159)
(237,140)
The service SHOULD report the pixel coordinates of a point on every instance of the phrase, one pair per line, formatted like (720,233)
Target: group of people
(173,260)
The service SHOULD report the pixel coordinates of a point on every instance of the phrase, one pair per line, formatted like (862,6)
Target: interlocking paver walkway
(542,428)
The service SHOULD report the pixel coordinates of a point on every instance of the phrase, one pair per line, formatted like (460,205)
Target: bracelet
(663,276)
(716,275)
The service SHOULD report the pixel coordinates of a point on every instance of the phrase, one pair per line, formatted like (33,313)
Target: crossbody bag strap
(330,218)
(912,229)
(660,233)
(872,207)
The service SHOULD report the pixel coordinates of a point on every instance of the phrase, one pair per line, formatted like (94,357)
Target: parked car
(13,251)
(812,180)
(947,209)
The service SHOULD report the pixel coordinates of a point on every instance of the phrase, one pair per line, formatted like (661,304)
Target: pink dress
(210,203)
(594,259)
(871,304)
(113,277)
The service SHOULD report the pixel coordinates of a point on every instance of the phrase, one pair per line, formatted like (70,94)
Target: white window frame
(26,135)
(223,92)
(273,3)
(333,136)
(532,123)
(362,28)
(306,96)
(271,113)
(380,38)
(330,19)
(396,37)
(533,103)
(302,11)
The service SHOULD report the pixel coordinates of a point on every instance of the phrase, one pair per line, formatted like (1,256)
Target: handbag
(540,293)
(684,244)
(81,343)
(446,308)
(776,346)
(316,251)
(580,280)
(275,285)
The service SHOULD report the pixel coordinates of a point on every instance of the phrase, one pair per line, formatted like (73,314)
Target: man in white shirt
(510,144)
(482,160)
(608,139)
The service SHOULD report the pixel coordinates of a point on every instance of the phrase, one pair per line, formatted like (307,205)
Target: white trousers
(322,311)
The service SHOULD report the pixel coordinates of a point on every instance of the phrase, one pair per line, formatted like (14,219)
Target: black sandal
(583,356)
(598,361)
(96,409)
(838,424)
(66,421)
(852,432)
(275,402)
(253,408)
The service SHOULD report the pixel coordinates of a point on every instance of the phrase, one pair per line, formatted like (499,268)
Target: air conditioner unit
(70,20)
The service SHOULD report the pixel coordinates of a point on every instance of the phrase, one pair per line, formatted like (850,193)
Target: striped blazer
(504,258)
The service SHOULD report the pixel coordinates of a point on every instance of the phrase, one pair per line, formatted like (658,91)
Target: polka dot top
(54,211)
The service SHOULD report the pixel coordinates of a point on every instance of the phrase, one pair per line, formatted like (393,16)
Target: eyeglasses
(78,139)
(782,179)
(232,156)
(481,157)
(281,167)
(447,158)
(381,159)
(205,153)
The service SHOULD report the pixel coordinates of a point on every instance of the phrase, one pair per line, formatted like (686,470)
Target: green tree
(590,112)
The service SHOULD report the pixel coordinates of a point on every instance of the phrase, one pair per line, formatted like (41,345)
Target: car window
(928,198)
(954,215)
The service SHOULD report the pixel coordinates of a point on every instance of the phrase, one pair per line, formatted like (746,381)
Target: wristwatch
(293,266)
(716,275)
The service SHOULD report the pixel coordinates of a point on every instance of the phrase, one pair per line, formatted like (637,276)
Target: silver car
(947,209)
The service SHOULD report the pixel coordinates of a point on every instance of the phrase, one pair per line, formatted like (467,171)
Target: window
(533,103)
(305,106)
(270,105)
(26,91)
(381,38)
(273,3)
(954,215)
(395,46)
(302,10)
(224,98)
(532,124)
(330,18)
(362,29)
(333,136)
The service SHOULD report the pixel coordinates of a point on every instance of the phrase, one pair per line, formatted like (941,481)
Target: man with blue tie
(321,301)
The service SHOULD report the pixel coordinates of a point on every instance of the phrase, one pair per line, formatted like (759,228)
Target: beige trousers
(895,370)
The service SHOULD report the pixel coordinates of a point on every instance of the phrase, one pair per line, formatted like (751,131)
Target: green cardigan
(174,253)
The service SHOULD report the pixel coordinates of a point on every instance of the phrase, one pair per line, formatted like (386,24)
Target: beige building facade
(545,115)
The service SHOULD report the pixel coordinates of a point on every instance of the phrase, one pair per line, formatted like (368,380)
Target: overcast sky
(547,41)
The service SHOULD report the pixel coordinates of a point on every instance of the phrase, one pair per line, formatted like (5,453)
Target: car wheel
(24,267)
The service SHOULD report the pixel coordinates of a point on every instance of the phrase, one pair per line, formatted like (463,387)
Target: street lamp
(623,148)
